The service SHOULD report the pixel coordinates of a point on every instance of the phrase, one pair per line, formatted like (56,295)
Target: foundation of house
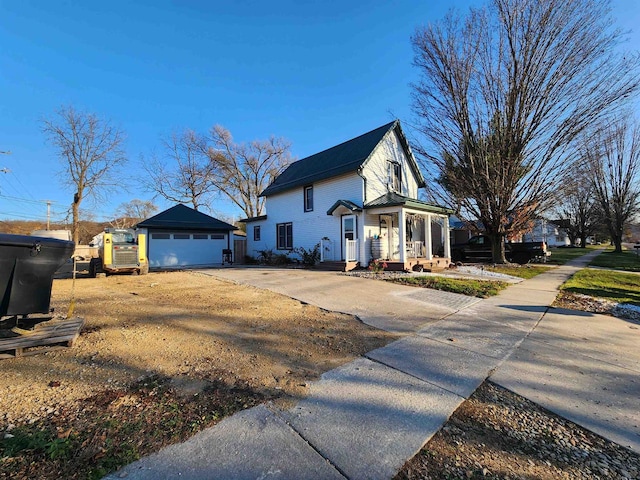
(436,264)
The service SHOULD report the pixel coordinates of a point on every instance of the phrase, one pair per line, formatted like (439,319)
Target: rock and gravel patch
(585,303)
(497,434)
(470,272)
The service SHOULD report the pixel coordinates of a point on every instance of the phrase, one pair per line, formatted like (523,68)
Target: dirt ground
(181,325)
(188,333)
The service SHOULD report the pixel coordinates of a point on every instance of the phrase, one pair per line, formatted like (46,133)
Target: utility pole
(48,213)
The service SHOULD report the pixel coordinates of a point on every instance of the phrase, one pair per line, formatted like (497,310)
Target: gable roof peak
(343,158)
(185,218)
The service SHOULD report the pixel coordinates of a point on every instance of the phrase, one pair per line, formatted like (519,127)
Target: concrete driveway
(384,305)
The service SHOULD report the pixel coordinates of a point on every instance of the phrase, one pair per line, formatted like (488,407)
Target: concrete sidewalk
(365,419)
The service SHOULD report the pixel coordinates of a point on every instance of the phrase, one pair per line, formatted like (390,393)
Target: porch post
(402,234)
(427,237)
(447,239)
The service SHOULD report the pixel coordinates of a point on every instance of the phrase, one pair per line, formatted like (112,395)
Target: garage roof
(181,217)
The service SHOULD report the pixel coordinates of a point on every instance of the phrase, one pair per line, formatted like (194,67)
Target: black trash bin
(27,265)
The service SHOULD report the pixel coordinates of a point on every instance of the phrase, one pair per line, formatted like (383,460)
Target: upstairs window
(256,233)
(394,173)
(308,198)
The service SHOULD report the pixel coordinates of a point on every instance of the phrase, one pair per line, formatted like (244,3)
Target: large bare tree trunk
(75,218)
(498,250)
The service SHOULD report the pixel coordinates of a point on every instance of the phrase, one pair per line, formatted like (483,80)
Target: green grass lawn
(616,286)
(560,256)
(521,271)
(627,260)
(472,288)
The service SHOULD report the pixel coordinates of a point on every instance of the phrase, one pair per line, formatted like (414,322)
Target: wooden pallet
(51,334)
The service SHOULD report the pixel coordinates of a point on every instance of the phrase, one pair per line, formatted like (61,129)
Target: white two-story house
(359,201)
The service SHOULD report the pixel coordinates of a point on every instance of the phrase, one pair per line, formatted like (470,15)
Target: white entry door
(349,238)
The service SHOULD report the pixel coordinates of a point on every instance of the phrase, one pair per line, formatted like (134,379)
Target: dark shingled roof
(181,217)
(344,158)
(392,199)
(348,204)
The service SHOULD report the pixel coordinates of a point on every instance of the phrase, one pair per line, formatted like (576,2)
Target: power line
(26,200)
(21,215)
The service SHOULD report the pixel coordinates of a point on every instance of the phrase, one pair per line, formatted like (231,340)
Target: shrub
(377,266)
(309,256)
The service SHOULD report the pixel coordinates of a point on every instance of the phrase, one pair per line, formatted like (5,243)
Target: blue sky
(315,72)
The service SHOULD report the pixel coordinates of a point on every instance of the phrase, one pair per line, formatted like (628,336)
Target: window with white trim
(308,198)
(284,236)
(394,177)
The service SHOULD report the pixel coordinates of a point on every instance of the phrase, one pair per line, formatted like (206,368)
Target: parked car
(479,248)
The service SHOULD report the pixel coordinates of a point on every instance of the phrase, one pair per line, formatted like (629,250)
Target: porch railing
(415,249)
(351,250)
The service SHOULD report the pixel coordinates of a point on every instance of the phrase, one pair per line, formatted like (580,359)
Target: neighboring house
(183,237)
(359,201)
(549,232)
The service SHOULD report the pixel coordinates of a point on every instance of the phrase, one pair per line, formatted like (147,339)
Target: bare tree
(243,171)
(577,206)
(130,213)
(91,149)
(503,93)
(184,174)
(614,159)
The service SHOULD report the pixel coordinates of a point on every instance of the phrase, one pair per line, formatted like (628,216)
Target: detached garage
(183,237)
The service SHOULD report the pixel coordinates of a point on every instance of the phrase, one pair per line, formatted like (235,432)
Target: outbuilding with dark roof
(182,237)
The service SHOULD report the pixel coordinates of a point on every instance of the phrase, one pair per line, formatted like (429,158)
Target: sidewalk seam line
(413,376)
(280,415)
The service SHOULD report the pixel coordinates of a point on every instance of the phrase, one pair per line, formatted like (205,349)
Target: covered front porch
(407,234)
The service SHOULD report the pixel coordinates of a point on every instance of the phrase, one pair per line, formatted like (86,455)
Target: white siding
(186,248)
(375,170)
(308,227)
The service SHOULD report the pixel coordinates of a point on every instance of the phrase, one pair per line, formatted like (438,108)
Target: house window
(256,233)
(284,234)
(308,198)
(394,173)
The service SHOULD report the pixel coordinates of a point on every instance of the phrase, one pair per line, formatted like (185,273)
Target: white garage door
(186,249)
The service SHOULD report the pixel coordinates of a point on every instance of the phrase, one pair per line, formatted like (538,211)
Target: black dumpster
(27,265)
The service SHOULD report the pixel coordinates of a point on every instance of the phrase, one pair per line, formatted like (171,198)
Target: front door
(349,235)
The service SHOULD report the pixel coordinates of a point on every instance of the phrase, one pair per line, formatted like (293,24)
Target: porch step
(337,266)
